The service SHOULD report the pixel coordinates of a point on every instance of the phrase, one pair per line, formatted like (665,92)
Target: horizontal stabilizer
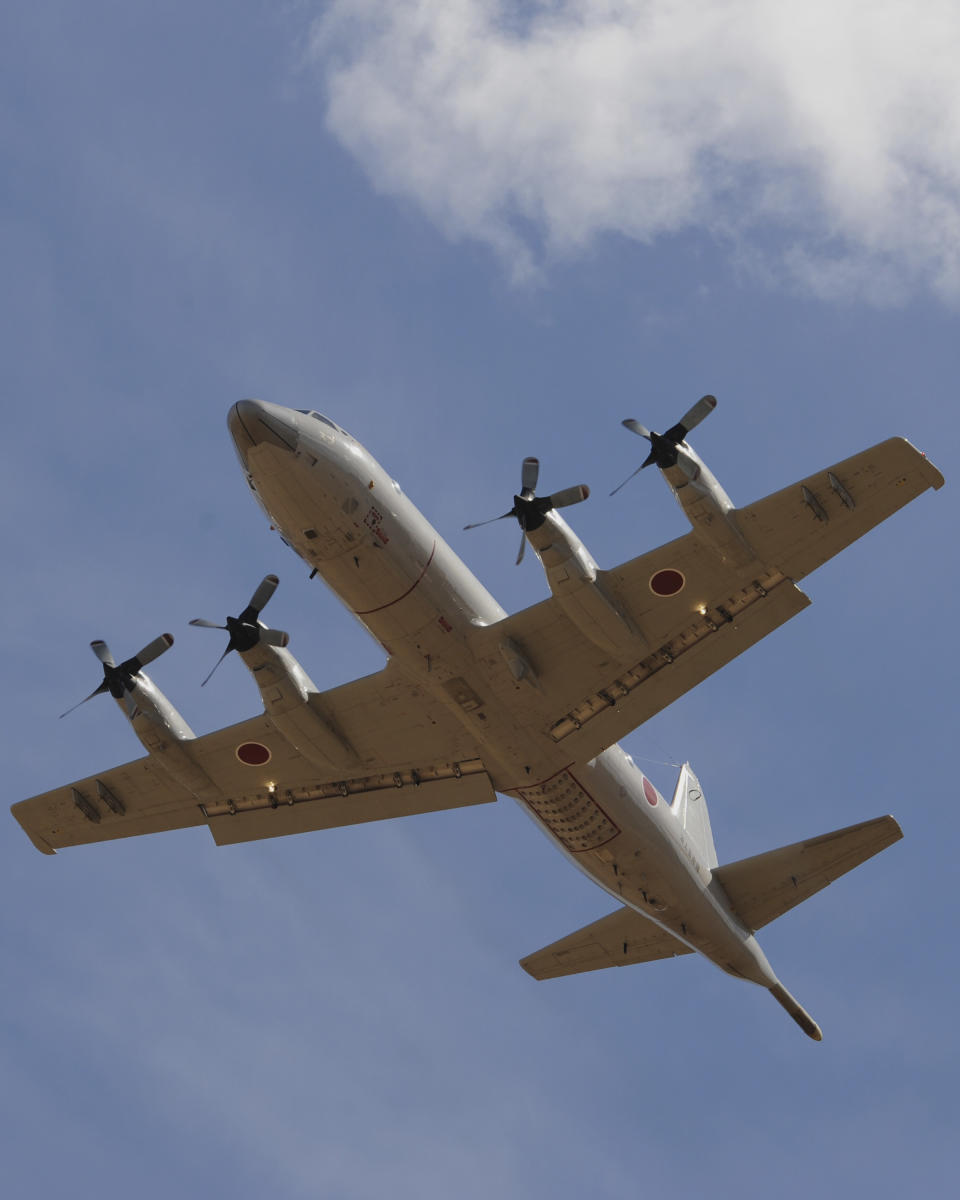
(617,940)
(764,887)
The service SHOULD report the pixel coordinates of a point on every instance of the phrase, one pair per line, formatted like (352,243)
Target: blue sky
(470,236)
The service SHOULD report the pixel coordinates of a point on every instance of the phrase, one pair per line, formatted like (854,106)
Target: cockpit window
(308,412)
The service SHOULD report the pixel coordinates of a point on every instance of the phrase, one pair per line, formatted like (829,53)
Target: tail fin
(764,887)
(690,808)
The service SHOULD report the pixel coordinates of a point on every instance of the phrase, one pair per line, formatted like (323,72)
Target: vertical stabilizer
(690,807)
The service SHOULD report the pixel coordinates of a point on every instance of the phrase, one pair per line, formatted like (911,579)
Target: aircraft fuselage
(351,523)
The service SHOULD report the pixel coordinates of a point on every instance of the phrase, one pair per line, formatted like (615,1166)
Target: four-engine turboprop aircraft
(473,702)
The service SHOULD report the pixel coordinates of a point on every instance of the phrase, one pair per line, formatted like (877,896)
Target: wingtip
(40,843)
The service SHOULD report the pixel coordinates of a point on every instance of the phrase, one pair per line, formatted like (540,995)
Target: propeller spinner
(118,678)
(245,630)
(531,510)
(663,446)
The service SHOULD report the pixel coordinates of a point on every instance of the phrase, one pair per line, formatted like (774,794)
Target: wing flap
(802,526)
(390,718)
(629,697)
(616,940)
(764,887)
(279,814)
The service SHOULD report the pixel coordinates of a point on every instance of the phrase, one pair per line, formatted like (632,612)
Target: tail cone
(799,1014)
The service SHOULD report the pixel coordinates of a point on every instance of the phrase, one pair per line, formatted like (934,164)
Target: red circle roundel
(650,792)
(667,582)
(253,754)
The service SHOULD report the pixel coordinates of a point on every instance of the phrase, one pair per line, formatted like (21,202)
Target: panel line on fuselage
(365,612)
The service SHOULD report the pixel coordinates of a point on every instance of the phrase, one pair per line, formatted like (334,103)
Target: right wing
(408,755)
(617,940)
(588,699)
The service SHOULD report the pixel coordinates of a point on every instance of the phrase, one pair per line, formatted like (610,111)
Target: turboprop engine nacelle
(290,698)
(574,579)
(292,702)
(571,571)
(708,507)
(161,729)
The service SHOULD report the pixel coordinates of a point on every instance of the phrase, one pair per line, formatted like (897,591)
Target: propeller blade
(246,631)
(102,651)
(690,419)
(103,654)
(97,692)
(568,496)
(523,545)
(702,409)
(636,427)
(217,664)
(268,585)
(628,478)
(477,524)
(530,510)
(529,474)
(151,651)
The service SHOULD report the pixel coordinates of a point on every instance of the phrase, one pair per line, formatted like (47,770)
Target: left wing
(587,699)
(408,756)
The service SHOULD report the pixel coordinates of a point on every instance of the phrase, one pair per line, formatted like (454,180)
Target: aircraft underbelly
(612,824)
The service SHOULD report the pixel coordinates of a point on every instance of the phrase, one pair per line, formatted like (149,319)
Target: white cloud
(830,128)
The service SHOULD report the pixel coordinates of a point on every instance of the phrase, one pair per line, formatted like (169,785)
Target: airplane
(473,702)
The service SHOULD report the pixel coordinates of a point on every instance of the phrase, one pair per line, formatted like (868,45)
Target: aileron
(802,526)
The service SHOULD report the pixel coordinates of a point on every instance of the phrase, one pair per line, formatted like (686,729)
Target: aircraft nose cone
(252,422)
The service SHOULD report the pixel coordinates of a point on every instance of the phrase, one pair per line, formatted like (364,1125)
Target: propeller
(663,446)
(119,679)
(246,631)
(531,510)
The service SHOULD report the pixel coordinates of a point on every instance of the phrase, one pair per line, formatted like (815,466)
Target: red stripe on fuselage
(365,612)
